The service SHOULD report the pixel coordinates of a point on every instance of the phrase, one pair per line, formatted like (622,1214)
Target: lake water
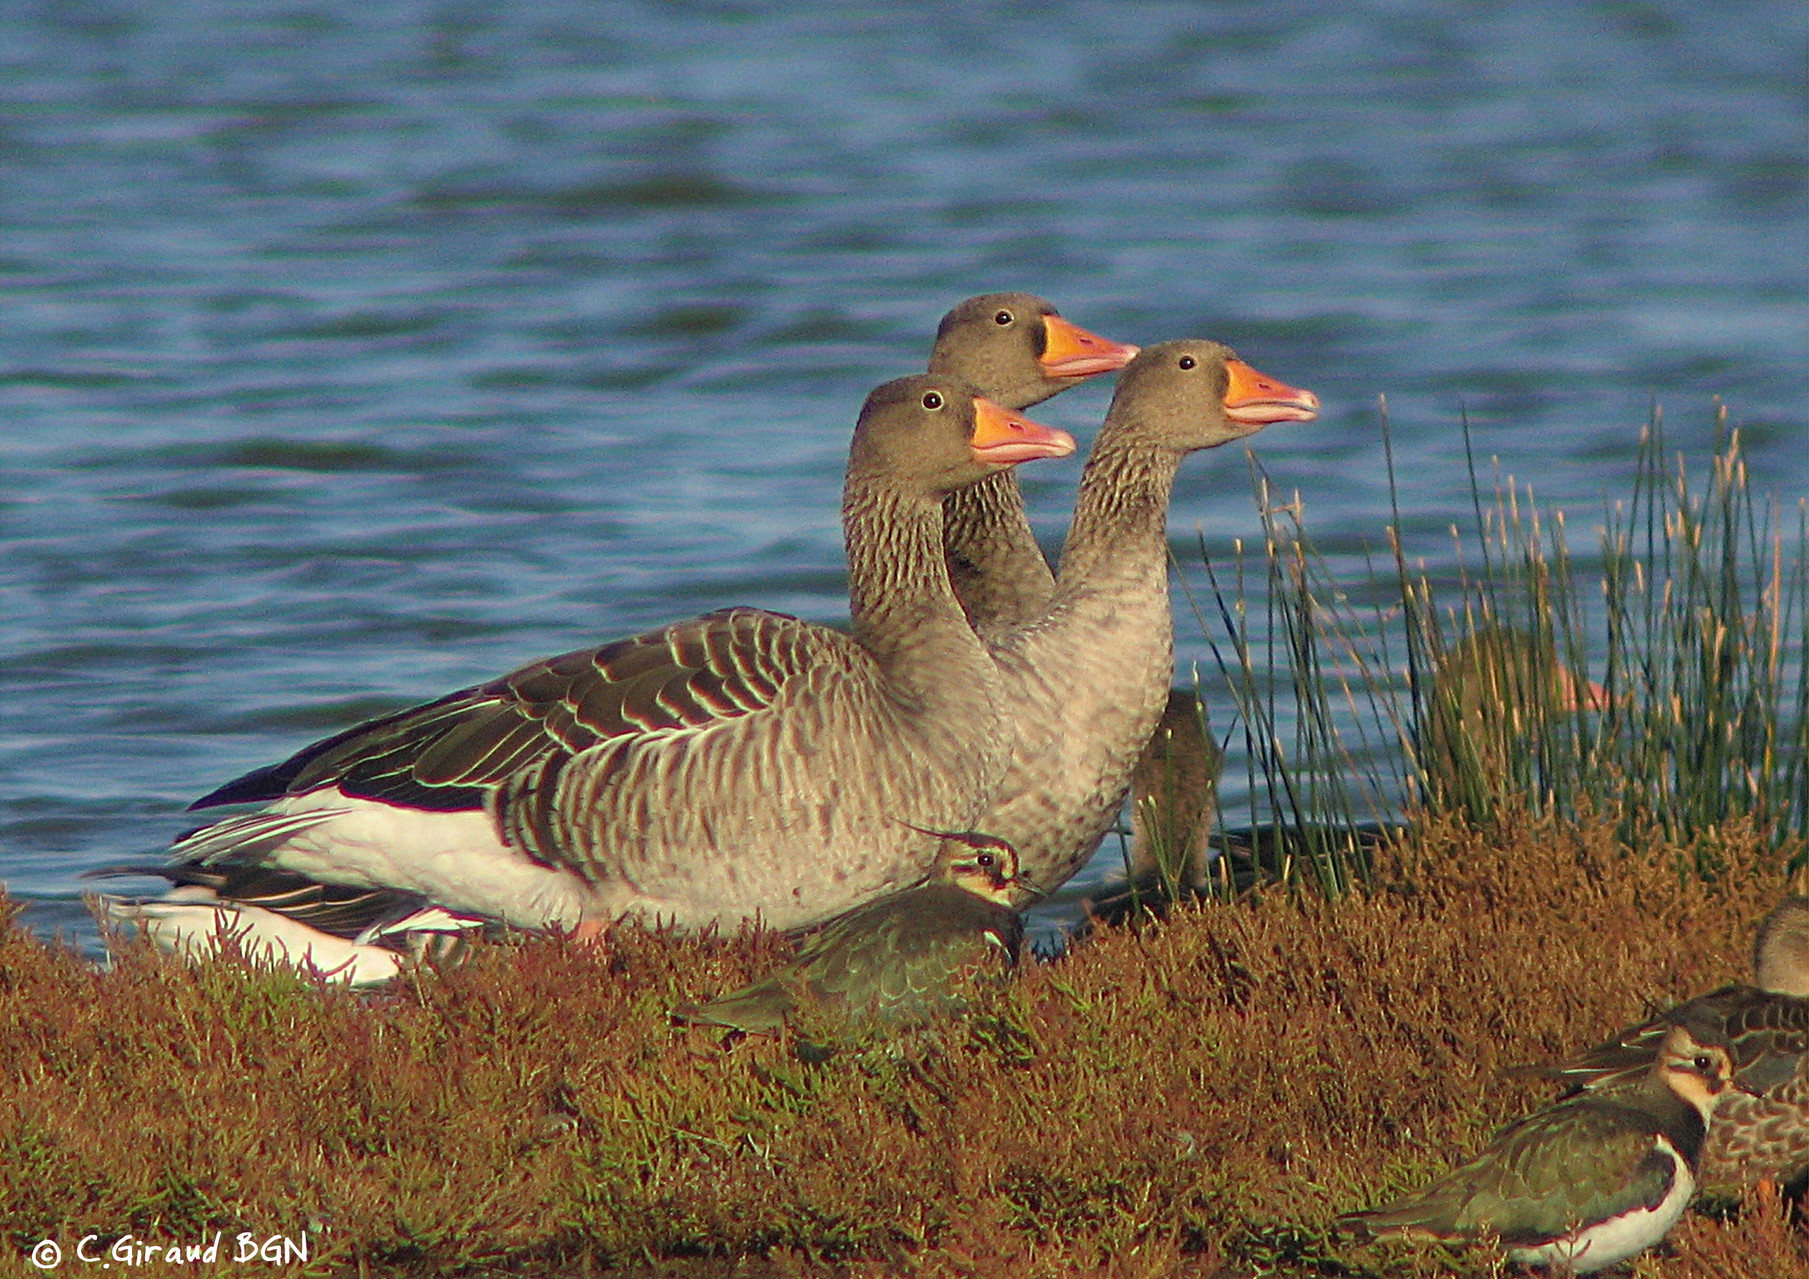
(350,356)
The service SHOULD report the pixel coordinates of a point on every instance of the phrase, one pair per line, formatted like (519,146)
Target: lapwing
(898,960)
(1761,1134)
(1590,1181)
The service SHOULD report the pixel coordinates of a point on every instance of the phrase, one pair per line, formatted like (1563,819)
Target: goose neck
(1122,507)
(902,607)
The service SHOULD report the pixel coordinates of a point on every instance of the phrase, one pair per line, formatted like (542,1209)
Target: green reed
(1464,687)
(1705,617)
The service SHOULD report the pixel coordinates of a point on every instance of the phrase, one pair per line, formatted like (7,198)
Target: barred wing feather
(459,751)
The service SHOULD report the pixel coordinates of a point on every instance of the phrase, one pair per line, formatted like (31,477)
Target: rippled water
(349,356)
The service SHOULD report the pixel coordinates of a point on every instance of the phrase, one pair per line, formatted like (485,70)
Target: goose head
(1020,349)
(1197,394)
(933,434)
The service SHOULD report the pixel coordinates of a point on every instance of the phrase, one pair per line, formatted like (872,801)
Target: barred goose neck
(899,596)
(1123,502)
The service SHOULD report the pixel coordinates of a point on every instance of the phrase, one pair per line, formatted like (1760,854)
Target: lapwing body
(1589,1182)
(898,960)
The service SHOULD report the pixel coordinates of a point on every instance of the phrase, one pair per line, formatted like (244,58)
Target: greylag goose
(1019,352)
(1077,727)
(899,959)
(1586,1183)
(1763,1136)
(1014,348)
(738,764)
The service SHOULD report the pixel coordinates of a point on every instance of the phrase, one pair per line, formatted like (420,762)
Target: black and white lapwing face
(1697,1072)
(983,865)
(1632,1181)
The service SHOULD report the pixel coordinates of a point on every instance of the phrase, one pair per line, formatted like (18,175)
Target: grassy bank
(1199,1097)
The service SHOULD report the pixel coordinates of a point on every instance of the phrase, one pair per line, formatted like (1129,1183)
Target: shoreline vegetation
(1201,1095)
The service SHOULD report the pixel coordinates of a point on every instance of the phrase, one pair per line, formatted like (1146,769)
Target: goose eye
(1003,318)
(932,400)
(1188,362)
(1704,1063)
(985,861)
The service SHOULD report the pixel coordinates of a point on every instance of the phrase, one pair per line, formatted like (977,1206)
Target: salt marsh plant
(1205,1098)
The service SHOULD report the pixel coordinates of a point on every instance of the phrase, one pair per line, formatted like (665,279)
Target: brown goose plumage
(739,763)
(1077,730)
(1019,352)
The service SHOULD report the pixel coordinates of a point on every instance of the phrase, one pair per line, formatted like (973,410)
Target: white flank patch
(1598,1247)
(192,921)
(456,859)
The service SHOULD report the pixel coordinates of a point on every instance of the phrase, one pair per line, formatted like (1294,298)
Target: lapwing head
(984,865)
(981,864)
(1695,1063)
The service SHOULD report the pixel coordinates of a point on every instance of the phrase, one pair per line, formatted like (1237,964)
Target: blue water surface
(351,354)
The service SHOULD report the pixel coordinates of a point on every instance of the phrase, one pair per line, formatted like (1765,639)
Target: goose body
(1586,1183)
(736,764)
(898,959)
(1077,731)
(1762,1132)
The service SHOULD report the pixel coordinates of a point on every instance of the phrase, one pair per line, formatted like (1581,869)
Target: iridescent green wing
(904,957)
(1563,1168)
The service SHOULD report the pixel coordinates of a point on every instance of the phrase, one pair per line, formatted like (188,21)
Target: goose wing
(457,751)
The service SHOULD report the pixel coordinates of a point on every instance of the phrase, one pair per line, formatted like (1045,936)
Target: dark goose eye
(932,400)
(1003,318)
(1188,362)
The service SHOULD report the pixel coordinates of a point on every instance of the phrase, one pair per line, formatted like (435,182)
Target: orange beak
(1069,351)
(1002,438)
(1257,399)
